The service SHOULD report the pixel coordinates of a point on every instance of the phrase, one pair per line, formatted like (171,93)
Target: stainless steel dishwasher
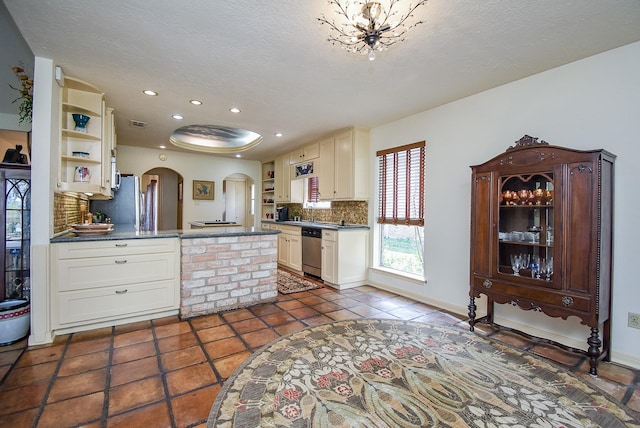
(312,251)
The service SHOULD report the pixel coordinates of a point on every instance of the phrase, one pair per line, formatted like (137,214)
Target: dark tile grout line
(54,376)
(163,377)
(105,406)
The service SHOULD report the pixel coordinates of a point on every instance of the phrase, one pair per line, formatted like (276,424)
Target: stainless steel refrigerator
(129,206)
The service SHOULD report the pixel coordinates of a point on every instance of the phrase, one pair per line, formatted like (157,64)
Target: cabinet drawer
(329,235)
(78,274)
(290,230)
(503,292)
(72,250)
(107,302)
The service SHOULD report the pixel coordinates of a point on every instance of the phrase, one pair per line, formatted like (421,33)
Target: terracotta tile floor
(167,372)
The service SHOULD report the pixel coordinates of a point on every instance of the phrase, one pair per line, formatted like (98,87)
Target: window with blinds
(401,185)
(313,194)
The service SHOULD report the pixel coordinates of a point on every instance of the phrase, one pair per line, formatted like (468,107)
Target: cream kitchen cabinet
(282,179)
(343,167)
(304,154)
(103,283)
(344,257)
(289,246)
(83,149)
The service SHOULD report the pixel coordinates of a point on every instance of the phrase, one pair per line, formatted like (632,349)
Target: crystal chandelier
(367,27)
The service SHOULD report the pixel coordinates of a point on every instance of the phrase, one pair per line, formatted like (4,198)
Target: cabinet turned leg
(472,313)
(594,350)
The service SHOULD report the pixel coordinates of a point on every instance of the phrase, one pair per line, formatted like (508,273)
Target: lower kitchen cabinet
(289,247)
(344,257)
(99,283)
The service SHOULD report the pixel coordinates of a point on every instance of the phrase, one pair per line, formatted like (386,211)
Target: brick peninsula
(150,274)
(223,271)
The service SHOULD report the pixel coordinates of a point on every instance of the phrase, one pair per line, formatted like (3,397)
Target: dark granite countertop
(128,232)
(320,225)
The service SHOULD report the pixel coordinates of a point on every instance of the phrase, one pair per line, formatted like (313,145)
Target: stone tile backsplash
(66,210)
(352,212)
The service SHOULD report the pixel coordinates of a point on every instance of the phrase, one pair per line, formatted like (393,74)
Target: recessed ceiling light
(162,146)
(278,134)
(196,102)
(238,155)
(234,110)
(150,92)
(177,117)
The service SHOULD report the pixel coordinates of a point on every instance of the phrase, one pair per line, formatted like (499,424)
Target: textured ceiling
(270,58)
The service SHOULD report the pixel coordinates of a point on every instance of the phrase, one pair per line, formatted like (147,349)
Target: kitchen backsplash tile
(66,210)
(352,212)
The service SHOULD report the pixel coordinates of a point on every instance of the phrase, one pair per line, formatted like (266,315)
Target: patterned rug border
(231,379)
(312,285)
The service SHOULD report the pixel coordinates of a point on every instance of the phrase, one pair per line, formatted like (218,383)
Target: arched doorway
(163,198)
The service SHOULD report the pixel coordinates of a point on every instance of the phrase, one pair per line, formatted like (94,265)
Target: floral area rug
(391,373)
(292,283)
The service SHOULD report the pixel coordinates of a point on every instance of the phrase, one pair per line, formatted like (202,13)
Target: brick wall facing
(227,272)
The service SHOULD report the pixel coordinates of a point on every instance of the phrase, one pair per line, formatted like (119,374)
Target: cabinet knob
(567,301)
(487,283)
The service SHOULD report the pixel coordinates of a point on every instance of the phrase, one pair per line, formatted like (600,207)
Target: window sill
(420,280)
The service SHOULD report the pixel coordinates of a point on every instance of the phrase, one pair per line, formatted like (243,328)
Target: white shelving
(79,97)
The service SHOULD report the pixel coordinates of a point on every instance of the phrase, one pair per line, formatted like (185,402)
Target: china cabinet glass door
(16,210)
(526,233)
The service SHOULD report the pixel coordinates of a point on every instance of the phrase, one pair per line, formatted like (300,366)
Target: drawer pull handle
(121,291)
(121,245)
(120,262)
(567,301)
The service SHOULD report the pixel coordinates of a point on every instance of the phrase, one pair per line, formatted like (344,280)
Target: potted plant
(25,92)
(295,215)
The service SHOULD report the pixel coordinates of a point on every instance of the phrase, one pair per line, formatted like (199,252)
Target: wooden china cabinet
(541,236)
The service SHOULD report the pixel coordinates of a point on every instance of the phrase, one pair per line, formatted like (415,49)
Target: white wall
(589,104)
(192,166)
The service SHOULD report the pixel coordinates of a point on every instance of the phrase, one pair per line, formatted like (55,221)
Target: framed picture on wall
(203,189)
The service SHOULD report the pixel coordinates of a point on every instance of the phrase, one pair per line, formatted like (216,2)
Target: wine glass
(548,272)
(535,267)
(525,260)
(516,264)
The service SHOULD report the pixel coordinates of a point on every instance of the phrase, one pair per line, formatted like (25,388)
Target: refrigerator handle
(143,218)
(118,179)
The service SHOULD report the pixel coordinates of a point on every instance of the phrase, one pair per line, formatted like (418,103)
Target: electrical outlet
(634,320)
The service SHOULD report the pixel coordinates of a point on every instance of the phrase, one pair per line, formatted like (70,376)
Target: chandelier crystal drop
(367,27)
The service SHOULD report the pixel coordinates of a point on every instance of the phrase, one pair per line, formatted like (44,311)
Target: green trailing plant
(25,90)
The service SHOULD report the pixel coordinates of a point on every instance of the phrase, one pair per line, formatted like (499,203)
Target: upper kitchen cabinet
(108,155)
(282,179)
(304,154)
(541,235)
(343,165)
(83,139)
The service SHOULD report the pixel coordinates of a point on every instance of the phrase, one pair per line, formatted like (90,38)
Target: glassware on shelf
(548,269)
(518,262)
(535,267)
(515,264)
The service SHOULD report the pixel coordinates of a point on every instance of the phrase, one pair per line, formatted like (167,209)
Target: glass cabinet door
(526,234)
(17,215)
